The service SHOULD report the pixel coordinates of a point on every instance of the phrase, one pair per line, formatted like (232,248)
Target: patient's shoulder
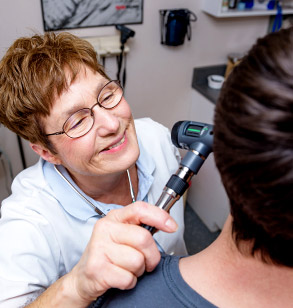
(164,287)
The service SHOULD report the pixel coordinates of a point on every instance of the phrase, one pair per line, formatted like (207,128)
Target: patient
(251,263)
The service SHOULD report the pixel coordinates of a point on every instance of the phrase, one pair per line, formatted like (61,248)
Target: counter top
(200,81)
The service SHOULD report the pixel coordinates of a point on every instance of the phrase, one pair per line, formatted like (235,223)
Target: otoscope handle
(165,202)
(174,189)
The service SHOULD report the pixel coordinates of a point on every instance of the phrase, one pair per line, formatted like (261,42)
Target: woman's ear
(45,154)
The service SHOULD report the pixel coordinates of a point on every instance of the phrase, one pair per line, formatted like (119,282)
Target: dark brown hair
(253,147)
(32,74)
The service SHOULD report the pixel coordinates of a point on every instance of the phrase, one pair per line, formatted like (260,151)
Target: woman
(55,232)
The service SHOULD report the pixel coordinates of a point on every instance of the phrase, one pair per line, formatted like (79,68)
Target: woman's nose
(106,122)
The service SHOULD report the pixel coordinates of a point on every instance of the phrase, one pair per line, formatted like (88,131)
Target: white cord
(130,186)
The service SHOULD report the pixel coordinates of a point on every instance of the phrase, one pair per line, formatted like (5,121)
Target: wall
(158,77)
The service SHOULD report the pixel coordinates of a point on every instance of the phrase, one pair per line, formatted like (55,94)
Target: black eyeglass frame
(91,111)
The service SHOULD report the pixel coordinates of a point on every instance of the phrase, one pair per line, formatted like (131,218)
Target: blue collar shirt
(76,206)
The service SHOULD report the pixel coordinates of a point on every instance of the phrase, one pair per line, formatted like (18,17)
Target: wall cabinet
(214,8)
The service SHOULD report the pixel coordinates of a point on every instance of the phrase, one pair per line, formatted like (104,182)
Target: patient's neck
(221,274)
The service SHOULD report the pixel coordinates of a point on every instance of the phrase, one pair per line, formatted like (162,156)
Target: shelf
(246,13)
(214,8)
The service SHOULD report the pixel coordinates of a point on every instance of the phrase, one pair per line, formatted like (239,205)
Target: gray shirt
(164,287)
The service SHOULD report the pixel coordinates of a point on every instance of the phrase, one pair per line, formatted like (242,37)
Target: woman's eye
(76,124)
(106,99)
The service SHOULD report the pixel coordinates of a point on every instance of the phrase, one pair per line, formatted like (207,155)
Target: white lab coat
(40,241)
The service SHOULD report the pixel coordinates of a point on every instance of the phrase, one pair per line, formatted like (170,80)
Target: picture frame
(74,14)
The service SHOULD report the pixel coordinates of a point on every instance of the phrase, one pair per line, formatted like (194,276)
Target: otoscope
(197,138)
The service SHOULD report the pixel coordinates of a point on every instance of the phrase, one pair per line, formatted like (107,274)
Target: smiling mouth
(115,145)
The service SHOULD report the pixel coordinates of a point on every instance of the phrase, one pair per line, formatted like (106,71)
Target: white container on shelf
(215,81)
(225,5)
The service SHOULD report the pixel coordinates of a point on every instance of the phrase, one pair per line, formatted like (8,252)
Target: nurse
(66,234)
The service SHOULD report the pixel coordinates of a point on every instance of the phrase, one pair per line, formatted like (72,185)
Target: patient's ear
(45,154)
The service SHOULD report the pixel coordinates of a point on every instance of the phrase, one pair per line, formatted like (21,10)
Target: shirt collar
(74,204)
(69,199)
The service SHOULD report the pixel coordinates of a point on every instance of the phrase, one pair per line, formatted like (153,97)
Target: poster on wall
(72,14)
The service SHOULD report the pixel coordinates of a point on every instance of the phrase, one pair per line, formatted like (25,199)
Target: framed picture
(72,14)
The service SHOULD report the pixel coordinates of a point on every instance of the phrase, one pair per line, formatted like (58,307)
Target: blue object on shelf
(271,5)
(241,6)
(277,24)
(249,4)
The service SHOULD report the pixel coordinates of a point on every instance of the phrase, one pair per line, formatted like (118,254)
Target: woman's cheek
(125,108)
(77,149)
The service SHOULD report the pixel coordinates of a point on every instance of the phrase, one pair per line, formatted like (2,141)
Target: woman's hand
(119,251)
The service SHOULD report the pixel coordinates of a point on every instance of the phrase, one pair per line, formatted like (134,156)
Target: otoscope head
(191,135)
(196,137)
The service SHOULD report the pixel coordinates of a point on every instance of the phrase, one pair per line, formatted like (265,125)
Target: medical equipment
(175,26)
(125,34)
(83,196)
(197,138)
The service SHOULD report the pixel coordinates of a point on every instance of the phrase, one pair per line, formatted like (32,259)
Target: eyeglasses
(81,122)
